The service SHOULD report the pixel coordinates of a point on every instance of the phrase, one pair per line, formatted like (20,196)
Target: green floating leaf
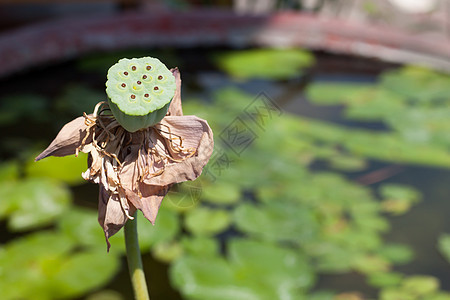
(28,263)
(207,222)
(200,246)
(67,169)
(321,295)
(84,271)
(396,294)
(385,279)
(167,251)
(277,221)
(32,202)
(221,192)
(81,225)
(329,93)
(44,265)
(208,278)
(417,83)
(444,246)
(277,271)
(265,63)
(371,264)
(374,145)
(420,285)
(9,171)
(254,270)
(439,296)
(105,295)
(184,196)
(375,104)
(166,227)
(396,253)
(331,257)
(347,163)
(398,199)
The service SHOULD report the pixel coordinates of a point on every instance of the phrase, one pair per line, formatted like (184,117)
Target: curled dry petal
(192,133)
(149,200)
(69,138)
(175,108)
(110,214)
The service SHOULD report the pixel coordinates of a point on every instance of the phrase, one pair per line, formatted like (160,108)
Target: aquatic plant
(137,152)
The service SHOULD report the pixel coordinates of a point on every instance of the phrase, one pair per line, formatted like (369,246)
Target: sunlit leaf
(9,170)
(166,227)
(277,221)
(167,251)
(84,271)
(398,198)
(208,278)
(33,202)
(280,271)
(265,63)
(201,246)
(396,253)
(67,168)
(396,294)
(417,83)
(221,192)
(205,221)
(371,264)
(444,246)
(105,295)
(420,285)
(385,279)
(332,93)
(82,227)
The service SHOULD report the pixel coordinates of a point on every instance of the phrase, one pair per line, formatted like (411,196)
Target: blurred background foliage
(291,202)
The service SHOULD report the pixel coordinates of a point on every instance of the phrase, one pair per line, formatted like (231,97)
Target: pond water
(36,103)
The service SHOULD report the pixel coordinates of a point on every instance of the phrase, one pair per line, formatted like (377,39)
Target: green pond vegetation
(261,222)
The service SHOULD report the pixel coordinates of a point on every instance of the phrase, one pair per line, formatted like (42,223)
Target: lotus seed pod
(139,91)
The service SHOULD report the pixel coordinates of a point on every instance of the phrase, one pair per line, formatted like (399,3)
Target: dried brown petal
(195,133)
(149,201)
(175,108)
(110,214)
(68,139)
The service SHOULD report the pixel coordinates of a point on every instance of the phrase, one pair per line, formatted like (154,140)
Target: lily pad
(203,221)
(67,169)
(33,202)
(265,63)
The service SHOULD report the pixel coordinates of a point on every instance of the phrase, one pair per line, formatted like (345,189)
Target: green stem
(135,261)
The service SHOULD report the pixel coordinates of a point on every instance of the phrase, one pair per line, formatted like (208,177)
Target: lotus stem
(135,261)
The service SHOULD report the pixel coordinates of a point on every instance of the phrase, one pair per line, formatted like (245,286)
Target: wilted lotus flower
(143,147)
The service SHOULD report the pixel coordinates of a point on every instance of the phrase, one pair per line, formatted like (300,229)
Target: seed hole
(133,68)
(133,97)
(160,77)
(125,73)
(149,68)
(156,88)
(138,82)
(123,85)
(144,76)
(146,95)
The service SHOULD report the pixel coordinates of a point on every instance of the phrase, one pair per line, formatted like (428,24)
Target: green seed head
(138,87)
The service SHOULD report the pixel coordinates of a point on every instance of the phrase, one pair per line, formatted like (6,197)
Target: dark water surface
(419,228)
